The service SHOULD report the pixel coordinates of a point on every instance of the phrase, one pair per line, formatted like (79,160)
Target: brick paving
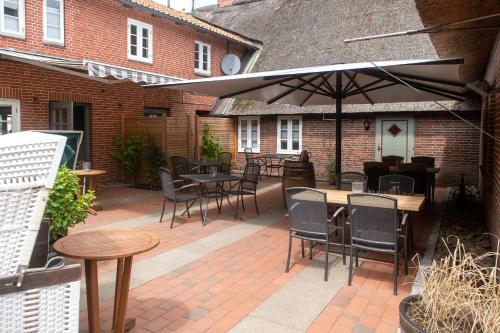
(220,289)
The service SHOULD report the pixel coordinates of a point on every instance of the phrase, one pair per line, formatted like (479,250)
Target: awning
(87,68)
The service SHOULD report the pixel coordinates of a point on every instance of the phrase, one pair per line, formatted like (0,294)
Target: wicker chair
(345,180)
(43,299)
(397,184)
(393,160)
(180,166)
(246,186)
(429,162)
(308,220)
(252,157)
(375,226)
(225,159)
(373,171)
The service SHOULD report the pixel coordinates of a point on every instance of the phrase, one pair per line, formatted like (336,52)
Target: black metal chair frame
(396,180)
(180,165)
(360,243)
(246,186)
(393,160)
(251,157)
(173,196)
(339,182)
(430,162)
(312,237)
(373,171)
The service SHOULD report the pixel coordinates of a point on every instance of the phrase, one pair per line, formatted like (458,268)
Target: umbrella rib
(357,86)
(323,82)
(356,92)
(327,83)
(314,85)
(258,87)
(350,84)
(289,91)
(427,79)
(304,89)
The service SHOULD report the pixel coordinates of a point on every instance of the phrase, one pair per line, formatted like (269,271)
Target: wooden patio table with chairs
(90,184)
(273,161)
(94,246)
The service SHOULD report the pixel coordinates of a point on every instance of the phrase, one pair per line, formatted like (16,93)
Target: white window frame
(241,149)
(15,104)
(47,39)
(22,25)
(289,134)
(199,70)
(140,25)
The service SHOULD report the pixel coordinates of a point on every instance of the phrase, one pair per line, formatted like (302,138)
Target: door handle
(379,147)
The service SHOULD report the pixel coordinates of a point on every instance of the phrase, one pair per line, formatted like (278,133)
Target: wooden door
(395,136)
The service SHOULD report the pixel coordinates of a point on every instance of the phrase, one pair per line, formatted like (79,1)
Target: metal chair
(345,180)
(246,186)
(429,162)
(252,157)
(175,195)
(396,184)
(418,172)
(393,160)
(180,166)
(225,159)
(375,226)
(308,220)
(373,171)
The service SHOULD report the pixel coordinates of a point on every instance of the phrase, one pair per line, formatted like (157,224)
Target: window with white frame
(12,18)
(53,21)
(202,58)
(249,133)
(140,41)
(289,135)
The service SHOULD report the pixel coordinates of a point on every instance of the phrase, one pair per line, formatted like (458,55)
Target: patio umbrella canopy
(353,83)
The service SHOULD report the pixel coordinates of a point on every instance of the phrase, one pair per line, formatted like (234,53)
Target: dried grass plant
(459,293)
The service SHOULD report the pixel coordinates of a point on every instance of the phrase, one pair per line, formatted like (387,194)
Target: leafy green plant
(330,164)
(129,154)
(210,147)
(154,160)
(65,207)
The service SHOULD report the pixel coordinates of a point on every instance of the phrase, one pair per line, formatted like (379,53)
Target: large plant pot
(405,322)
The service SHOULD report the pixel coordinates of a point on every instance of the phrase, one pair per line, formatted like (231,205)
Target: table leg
(118,287)
(92,295)
(123,297)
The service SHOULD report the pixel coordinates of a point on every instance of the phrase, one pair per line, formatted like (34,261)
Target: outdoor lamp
(366,124)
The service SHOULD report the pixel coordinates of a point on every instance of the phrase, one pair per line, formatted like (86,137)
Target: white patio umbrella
(353,83)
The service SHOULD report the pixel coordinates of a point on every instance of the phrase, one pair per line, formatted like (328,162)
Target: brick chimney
(224,3)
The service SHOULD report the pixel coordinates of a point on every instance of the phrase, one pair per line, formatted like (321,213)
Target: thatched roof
(302,33)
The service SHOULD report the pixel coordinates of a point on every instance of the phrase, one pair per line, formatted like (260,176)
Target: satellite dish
(230,64)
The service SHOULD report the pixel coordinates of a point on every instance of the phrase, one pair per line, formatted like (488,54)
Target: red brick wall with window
(453,143)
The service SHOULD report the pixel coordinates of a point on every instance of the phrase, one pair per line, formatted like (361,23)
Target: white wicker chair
(40,300)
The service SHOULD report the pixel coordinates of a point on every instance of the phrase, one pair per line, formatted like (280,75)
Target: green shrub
(129,154)
(210,147)
(154,160)
(65,208)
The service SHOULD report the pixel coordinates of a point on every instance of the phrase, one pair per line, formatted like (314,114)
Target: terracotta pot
(406,324)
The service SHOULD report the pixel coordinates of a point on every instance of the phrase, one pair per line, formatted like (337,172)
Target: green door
(395,136)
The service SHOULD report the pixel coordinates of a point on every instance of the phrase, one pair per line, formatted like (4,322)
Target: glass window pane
(133,40)
(133,30)
(254,134)
(11,23)
(133,50)
(54,32)
(54,4)
(145,53)
(244,134)
(295,145)
(53,19)
(205,66)
(284,144)
(11,8)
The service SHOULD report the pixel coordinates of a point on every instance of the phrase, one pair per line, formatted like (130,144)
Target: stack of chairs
(40,299)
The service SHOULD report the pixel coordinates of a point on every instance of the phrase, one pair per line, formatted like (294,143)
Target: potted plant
(66,207)
(210,147)
(154,160)
(129,154)
(330,165)
(459,293)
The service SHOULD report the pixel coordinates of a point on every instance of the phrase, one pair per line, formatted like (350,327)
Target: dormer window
(140,41)
(202,58)
(12,18)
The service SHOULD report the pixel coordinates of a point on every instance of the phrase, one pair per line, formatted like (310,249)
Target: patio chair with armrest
(345,180)
(246,186)
(429,162)
(396,184)
(252,157)
(308,220)
(185,193)
(375,226)
(225,159)
(180,166)
(417,171)
(373,171)
(393,160)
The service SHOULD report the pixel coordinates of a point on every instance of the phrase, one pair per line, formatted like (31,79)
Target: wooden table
(395,168)
(405,202)
(90,185)
(94,246)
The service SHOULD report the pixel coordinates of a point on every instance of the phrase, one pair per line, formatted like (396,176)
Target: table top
(204,162)
(206,178)
(106,244)
(276,156)
(395,168)
(405,202)
(91,172)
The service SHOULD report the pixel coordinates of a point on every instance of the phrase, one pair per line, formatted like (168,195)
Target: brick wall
(454,143)
(97,30)
(36,87)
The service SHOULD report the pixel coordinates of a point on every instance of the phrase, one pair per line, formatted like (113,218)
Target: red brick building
(69,64)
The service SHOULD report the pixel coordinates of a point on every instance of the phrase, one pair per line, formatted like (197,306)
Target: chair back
(167,183)
(307,210)
(249,156)
(427,160)
(418,172)
(373,171)
(397,184)
(374,220)
(393,160)
(250,177)
(179,166)
(225,159)
(345,180)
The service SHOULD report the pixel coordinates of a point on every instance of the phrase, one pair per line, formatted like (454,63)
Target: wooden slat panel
(222,128)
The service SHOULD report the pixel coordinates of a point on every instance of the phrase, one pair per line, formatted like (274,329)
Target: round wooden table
(90,185)
(94,246)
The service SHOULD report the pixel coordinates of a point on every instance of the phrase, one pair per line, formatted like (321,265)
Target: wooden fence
(222,128)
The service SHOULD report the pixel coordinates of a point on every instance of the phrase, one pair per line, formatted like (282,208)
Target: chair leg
(396,269)
(357,258)
(302,245)
(162,210)
(406,257)
(287,268)
(310,250)
(349,280)
(255,200)
(343,246)
(187,210)
(173,216)
(242,203)
(326,259)
(237,206)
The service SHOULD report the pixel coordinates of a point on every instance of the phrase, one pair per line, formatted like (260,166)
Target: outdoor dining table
(94,246)
(204,179)
(406,203)
(88,180)
(204,164)
(395,169)
(269,158)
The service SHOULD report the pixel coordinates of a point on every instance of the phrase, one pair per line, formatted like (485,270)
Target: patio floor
(229,275)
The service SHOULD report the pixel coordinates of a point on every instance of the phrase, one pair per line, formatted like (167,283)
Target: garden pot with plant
(459,293)
(66,207)
(210,147)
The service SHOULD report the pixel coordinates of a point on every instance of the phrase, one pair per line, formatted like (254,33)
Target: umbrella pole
(338,127)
